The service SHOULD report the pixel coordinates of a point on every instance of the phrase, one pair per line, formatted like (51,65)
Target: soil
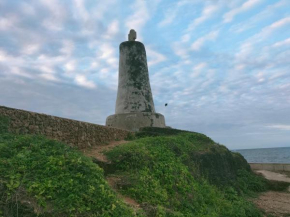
(274,203)
(97,153)
(274,175)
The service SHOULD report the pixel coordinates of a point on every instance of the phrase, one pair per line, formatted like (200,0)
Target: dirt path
(97,153)
(272,202)
(274,176)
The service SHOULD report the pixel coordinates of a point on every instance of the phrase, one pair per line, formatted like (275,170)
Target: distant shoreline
(279,155)
(256,148)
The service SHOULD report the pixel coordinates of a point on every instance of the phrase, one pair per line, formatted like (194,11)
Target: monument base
(135,120)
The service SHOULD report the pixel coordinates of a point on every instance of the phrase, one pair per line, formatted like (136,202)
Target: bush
(161,173)
(4,124)
(54,179)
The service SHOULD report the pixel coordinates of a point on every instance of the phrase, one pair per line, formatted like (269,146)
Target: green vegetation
(4,123)
(41,177)
(168,172)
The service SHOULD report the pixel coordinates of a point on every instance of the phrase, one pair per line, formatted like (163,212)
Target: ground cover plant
(168,172)
(173,176)
(42,177)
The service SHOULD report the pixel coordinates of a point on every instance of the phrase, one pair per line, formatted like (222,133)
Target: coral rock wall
(74,133)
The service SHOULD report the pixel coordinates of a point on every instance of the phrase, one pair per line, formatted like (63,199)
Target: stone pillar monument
(134,105)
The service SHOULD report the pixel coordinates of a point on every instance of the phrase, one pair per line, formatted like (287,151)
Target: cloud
(19,72)
(107,53)
(113,29)
(70,66)
(154,57)
(239,85)
(49,77)
(200,41)
(229,16)
(84,82)
(3,56)
(279,126)
(269,12)
(170,15)
(103,8)
(28,9)
(197,69)
(139,17)
(208,11)
(285,42)
(180,50)
(249,45)
(46,69)
(81,10)
(57,17)
(68,47)
(8,23)
(62,100)
(278,24)
(172,12)
(30,49)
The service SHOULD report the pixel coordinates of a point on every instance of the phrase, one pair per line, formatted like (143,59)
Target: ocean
(266,155)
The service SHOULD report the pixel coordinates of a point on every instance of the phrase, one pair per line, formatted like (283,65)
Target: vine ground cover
(169,172)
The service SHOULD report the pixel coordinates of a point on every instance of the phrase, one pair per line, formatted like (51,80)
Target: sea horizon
(257,148)
(266,155)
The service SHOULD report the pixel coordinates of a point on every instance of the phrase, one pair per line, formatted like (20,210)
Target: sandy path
(97,153)
(274,176)
(273,202)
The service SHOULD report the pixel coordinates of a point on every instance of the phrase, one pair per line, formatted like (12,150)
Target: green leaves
(164,175)
(54,175)
(13,182)
(4,124)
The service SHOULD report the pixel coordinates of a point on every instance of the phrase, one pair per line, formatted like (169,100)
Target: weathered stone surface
(75,133)
(134,91)
(132,35)
(270,166)
(134,105)
(134,120)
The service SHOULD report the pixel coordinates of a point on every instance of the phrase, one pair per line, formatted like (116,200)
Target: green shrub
(171,173)
(157,131)
(4,124)
(55,178)
(161,173)
(248,182)
(130,137)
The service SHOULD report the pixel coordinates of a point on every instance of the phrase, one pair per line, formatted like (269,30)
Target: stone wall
(74,133)
(270,166)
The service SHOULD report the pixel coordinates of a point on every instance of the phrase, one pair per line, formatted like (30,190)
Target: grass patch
(166,174)
(157,131)
(171,173)
(47,178)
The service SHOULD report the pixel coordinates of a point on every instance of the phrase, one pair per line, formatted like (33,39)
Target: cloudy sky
(223,66)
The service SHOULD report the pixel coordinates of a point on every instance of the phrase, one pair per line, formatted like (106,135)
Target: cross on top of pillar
(132,35)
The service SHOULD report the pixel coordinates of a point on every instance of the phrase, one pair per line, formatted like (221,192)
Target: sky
(223,66)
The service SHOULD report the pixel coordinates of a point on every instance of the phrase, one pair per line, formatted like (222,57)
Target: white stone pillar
(134,91)
(134,105)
